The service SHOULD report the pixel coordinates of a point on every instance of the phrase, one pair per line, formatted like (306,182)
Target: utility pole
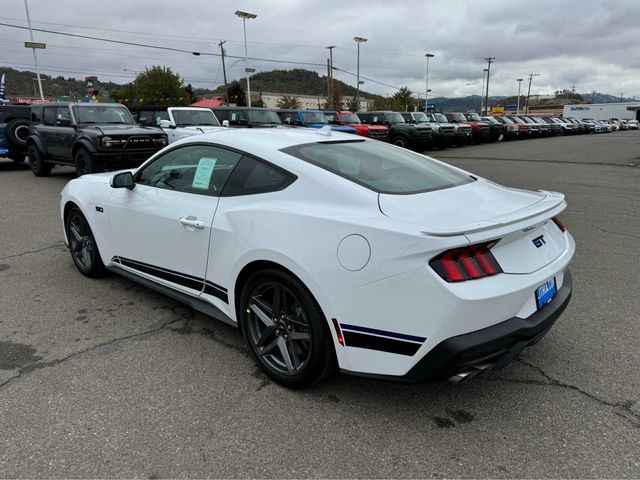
(489,61)
(593,97)
(35,57)
(224,70)
(330,76)
(531,75)
(246,16)
(484,75)
(519,85)
(621,97)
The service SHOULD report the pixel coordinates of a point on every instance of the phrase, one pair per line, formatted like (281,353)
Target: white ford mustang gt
(332,251)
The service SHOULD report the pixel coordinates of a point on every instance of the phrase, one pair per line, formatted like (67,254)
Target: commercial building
(312,102)
(603,111)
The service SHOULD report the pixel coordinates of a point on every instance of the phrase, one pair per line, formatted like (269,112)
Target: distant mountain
(23,84)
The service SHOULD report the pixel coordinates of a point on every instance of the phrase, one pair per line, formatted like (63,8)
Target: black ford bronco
(93,137)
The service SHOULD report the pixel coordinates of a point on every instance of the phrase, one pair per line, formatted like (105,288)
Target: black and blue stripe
(179,278)
(381,340)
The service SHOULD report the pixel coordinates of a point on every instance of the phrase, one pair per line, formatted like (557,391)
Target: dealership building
(603,111)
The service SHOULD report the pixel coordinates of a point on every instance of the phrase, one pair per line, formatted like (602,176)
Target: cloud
(589,43)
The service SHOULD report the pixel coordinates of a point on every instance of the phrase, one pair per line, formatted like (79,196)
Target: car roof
(256,140)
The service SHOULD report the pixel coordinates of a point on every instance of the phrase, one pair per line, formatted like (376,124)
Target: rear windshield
(380,167)
(190,118)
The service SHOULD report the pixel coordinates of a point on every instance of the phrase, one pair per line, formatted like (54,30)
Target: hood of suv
(124,129)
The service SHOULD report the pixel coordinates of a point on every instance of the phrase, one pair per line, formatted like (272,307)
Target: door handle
(192,222)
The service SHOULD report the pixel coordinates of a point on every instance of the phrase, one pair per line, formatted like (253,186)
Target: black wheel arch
(84,144)
(38,143)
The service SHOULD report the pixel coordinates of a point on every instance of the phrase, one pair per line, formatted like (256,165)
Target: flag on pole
(2,89)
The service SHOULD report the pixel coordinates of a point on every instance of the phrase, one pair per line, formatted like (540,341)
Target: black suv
(416,136)
(247,117)
(14,130)
(93,137)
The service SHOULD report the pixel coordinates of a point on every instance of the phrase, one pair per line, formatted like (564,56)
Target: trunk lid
(483,211)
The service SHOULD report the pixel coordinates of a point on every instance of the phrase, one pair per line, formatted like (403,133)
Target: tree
(286,101)
(259,102)
(236,94)
(402,100)
(334,103)
(352,105)
(155,85)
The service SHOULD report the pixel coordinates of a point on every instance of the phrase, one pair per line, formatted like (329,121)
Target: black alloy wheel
(82,245)
(285,330)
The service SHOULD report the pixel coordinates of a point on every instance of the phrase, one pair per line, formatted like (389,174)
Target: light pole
(244,16)
(135,81)
(35,57)
(519,85)
(531,75)
(426,90)
(358,40)
(489,60)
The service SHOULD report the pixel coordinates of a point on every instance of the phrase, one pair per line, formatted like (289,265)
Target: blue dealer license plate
(546,292)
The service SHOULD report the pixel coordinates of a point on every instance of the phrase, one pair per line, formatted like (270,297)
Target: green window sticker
(204,172)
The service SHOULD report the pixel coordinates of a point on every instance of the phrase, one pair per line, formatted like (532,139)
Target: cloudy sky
(590,44)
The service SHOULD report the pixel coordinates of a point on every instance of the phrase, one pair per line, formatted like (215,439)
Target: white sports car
(330,250)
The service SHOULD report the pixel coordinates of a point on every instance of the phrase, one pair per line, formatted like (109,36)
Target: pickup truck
(479,130)
(443,133)
(379,132)
(309,119)
(177,122)
(14,130)
(401,133)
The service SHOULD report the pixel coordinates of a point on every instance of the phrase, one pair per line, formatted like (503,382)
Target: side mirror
(123,180)
(63,122)
(225,123)
(166,124)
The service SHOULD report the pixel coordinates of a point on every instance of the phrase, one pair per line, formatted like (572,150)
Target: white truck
(188,121)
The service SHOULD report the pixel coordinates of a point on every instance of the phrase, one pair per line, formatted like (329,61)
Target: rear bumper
(492,347)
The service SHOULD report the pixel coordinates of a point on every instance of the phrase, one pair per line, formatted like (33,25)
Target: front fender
(84,143)
(40,145)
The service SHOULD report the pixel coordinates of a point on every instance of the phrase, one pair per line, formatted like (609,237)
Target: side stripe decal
(381,340)
(375,331)
(188,281)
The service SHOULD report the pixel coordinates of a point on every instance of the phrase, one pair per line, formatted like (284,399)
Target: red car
(479,129)
(379,132)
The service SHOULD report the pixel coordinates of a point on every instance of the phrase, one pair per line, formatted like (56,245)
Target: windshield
(459,117)
(420,117)
(394,117)
(194,118)
(380,167)
(505,120)
(489,120)
(440,118)
(474,116)
(349,118)
(518,120)
(263,116)
(314,117)
(102,114)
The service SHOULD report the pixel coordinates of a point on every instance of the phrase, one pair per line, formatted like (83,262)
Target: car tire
(36,162)
(291,363)
(400,141)
(82,245)
(17,132)
(85,163)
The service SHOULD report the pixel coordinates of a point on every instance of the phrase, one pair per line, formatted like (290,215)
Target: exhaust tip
(471,372)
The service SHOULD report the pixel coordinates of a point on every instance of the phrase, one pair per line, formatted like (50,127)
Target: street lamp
(244,16)
(358,40)
(531,75)
(135,81)
(35,57)
(426,95)
(519,85)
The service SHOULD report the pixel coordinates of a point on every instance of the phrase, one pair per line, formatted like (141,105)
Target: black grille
(377,133)
(137,142)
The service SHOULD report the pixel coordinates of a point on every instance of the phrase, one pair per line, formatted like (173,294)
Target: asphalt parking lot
(104,378)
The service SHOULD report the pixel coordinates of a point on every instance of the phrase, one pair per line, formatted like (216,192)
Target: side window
(200,169)
(62,113)
(237,117)
(36,115)
(49,116)
(252,176)
(221,115)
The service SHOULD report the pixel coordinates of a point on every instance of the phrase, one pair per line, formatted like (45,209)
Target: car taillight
(466,263)
(560,225)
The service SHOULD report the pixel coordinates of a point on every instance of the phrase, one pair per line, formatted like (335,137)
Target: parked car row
(94,137)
